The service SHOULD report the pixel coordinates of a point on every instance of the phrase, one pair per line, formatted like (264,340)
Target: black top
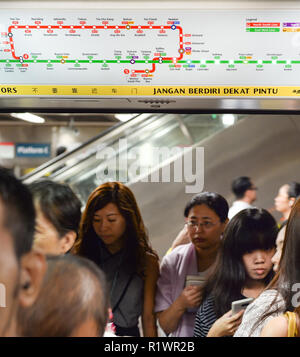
(206,316)
(126,287)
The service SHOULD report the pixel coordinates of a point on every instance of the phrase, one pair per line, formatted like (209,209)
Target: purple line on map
(291,24)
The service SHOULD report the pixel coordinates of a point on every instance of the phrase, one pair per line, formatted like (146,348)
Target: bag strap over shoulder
(292,324)
(123,293)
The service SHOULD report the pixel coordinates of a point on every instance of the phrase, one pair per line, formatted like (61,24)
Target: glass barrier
(117,155)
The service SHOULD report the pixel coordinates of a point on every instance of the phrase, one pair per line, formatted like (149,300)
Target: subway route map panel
(162,52)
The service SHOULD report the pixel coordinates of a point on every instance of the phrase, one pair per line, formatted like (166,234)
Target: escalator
(105,153)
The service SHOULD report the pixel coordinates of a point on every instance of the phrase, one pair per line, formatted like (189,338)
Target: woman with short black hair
(285,200)
(58,213)
(178,297)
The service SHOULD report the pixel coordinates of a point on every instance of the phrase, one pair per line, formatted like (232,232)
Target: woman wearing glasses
(243,270)
(187,266)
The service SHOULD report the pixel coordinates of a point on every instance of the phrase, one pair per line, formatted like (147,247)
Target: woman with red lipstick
(178,292)
(243,270)
(113,235)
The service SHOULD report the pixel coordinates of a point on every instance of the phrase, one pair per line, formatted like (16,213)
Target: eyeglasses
(195,225)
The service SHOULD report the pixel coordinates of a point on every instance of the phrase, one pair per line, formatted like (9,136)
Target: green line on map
(263,29)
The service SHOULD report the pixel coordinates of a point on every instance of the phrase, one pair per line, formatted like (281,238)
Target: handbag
(292,324)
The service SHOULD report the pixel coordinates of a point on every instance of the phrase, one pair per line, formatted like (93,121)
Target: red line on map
(83,26)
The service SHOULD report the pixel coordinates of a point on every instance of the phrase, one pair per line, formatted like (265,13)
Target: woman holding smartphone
(243,270)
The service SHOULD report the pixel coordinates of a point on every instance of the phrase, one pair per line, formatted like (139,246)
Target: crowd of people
(68,273)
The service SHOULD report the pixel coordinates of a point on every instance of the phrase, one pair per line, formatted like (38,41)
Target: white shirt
(238,206)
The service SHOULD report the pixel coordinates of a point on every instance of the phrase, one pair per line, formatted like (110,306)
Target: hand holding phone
(226,325)
(239,305)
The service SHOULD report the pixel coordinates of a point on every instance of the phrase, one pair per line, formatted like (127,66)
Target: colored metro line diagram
(117,29)
(150,47)
(252,27)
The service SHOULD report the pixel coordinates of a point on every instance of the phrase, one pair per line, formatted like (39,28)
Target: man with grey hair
(73,301)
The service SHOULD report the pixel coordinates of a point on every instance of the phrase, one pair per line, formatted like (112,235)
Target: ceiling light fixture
(228,119)
(124,117)
(29,117)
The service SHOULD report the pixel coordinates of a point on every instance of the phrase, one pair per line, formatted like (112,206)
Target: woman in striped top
(243,269)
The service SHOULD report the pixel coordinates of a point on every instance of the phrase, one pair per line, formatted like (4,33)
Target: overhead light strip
(28,117)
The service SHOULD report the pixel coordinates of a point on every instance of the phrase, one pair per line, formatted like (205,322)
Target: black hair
(240,185)
(212,200)
(60,150)
(73,291)
(249,230)
(59,205)
(294,189)
(18,211)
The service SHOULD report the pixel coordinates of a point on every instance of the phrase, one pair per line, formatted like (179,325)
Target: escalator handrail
(67,168)
(59,160)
